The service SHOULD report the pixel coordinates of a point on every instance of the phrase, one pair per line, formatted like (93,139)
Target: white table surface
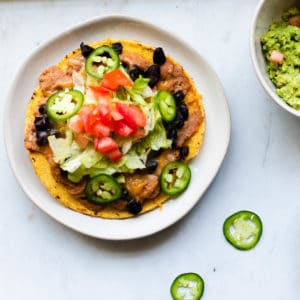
(41,259)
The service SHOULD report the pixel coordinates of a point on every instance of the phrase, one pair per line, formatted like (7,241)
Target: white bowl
(266,13)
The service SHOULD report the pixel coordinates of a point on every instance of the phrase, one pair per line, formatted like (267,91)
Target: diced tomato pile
(107,119)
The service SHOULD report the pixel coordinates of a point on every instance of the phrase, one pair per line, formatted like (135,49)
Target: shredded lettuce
(103,166)
(140,84)
(72,164)
(134,161)
(147,92)
(128,163)
(77,175)
(122,94)
(61,147)
(136,92)
(152,114)
(136,97)
(90,157)
(156,139)
(78,81)
(86,159)
(126,146)
(89,97)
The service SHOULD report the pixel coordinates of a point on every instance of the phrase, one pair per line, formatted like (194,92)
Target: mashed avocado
(284,38)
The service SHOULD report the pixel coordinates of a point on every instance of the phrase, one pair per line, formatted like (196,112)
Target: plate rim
(78,26)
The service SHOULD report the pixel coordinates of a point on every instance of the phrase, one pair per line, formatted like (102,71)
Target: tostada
(110,129)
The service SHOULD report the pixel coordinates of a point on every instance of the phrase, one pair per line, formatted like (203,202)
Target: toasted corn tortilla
(110,211)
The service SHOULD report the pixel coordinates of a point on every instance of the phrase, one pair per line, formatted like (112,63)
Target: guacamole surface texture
(284,38)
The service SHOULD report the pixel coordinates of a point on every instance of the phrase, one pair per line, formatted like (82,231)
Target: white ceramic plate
(204,167)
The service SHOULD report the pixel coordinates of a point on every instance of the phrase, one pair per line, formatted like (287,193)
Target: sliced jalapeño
(64,104)
(187,286)
(175,178)
(243,229)
(166,105)
(103,189)
(102,60)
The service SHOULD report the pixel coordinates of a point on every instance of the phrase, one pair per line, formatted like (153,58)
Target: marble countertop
(42,259)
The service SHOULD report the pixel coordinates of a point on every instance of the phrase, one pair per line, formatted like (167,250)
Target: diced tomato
(89,116)
(98,90)
(122,129)
(105,144)
(140,133)
(86,109)
(277,57)
(116,115)
(132,114)
(104,97)
(138,116)
(84,113)
(82,140)
(100,130)
(89,121)
(76,124)
(103,114)
(115,78)
(114,155)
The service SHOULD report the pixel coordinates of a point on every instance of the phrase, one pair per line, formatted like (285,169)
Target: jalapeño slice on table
(175,178)
(187,286)
(166,105)
(243,229)
(102,60)
(103,189)
(64,104)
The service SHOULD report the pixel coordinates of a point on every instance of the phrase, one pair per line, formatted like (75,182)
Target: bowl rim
(279,101)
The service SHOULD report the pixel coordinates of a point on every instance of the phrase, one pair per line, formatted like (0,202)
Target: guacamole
(284,39)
